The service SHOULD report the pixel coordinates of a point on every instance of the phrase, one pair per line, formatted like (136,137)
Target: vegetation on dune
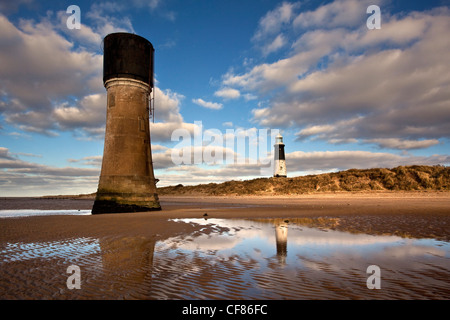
(402,178)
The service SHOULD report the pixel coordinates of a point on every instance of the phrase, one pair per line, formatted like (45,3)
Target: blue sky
(343,96)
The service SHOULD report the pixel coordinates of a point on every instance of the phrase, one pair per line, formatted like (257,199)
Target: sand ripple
(248,260)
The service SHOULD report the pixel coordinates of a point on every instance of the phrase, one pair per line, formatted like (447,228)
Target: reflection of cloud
(227,234)
(411,250)
(207,243)
(239,231)
(318,264)
(243,230)
(337,238)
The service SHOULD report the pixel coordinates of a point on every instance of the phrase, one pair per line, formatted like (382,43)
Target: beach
(140,255)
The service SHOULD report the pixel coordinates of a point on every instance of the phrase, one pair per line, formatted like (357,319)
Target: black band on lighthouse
(281,152)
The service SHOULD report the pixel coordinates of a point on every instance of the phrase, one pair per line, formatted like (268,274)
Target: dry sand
(124,237)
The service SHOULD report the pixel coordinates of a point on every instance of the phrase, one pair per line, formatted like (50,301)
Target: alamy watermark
(373,21)
(74,20)
(374,280)
(74,280)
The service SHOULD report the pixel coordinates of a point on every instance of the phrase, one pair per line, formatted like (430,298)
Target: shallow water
(15,213)
(230,259)
(281,259)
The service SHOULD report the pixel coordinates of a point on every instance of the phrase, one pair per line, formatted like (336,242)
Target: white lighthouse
(280,162)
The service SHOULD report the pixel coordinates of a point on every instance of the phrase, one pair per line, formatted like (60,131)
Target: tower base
(125,202)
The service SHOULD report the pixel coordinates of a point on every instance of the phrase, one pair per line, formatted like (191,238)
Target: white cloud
(391,83)
(22,178)
(167,105)
(104,22)
(39,71)
(269,37)
(85,36)
(49,85)
(228,93)
(89,112)
(297,163)
(395,31)
(93,161)
(207,104)
(279,42)
(273,21)
(266,77)
(314,130)
(343,160)
(339,13)
(394,143)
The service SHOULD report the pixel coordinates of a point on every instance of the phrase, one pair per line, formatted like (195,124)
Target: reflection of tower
(127,264)
(280,162)
(127,181)
(281,230)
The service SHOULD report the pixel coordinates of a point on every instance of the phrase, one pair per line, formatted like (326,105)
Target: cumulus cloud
(297,162)
(23,178)
(345,13)
(162,131)
(104,21)
(89,112)
(343,160)
(93,161)
(394,143)
(269,37)
(228,93)
(314,130)
(274,20)
(167,105)
(279,42)
(49,84)
(39,71)
(207,104)
(340,81)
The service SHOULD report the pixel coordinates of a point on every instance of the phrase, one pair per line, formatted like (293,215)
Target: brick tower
(127,182)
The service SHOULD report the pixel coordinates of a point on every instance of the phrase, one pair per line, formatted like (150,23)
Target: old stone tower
(127,182)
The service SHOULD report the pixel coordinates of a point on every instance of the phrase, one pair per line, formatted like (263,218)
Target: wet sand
(120,247)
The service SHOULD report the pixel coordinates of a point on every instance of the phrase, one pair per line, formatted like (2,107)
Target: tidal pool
(283,259)
(15,213)
(230,259)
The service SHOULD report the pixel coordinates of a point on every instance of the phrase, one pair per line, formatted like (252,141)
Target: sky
(343,95)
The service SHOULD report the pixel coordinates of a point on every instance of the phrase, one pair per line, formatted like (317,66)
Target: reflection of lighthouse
(281,230)
(280,162)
